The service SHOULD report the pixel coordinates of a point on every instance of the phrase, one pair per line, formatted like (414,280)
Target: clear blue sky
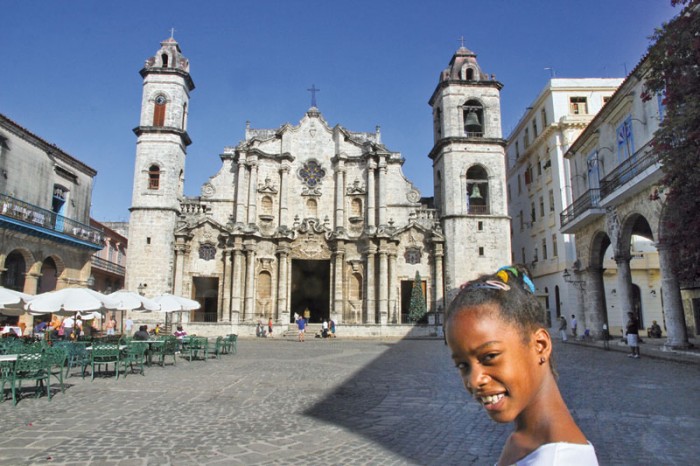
(69,68)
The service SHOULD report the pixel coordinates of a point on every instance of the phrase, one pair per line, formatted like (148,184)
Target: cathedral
(318,217)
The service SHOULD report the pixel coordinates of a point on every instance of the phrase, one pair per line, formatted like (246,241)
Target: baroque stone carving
(356,188)
(413,196)
(267,187)
(208,190)
(207,251)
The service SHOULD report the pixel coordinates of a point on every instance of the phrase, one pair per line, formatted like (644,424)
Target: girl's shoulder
(561,453)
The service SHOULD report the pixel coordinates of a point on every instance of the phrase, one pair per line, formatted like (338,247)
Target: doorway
(206,291)
(311,280)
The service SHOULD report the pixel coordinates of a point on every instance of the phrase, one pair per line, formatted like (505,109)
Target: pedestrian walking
(562,329)
(574,326)
(269,327)
(504,356)
(632,329)
(301,325)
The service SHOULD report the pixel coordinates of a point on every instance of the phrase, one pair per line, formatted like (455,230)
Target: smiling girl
(504,355)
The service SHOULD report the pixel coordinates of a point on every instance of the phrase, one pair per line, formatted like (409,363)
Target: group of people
(563,325)
(327,326)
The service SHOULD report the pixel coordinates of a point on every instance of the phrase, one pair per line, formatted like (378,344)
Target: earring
(542,360)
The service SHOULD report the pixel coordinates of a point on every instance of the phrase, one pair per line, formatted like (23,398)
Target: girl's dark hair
(511,290)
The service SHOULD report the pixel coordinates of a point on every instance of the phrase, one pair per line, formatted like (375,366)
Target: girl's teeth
(491,399)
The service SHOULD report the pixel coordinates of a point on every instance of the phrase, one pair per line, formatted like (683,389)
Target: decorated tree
(417,309)
(674,62)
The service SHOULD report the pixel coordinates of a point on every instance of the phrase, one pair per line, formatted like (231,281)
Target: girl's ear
(543,342)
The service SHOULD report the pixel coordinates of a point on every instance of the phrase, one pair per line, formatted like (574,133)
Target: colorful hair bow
(502,273)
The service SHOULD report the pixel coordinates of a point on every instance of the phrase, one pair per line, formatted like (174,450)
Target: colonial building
(109,263)
(539,188)
(313,216)
(615,176)
(46,240)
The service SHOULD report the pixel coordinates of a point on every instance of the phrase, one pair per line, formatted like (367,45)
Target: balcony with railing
(107,266)
(478,209)
(18,214)
(583,211)
(632,176)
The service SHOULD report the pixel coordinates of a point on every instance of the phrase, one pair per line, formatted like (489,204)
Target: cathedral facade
(313,216)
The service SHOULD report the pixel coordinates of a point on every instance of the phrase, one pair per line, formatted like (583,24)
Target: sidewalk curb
(691,356)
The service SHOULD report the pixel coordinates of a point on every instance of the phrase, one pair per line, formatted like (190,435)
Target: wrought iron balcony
(626,171)
(478,209)
(588,201)
(102,264)
(42,221)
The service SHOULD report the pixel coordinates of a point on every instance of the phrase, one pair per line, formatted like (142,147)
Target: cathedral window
(164,58)
(154,177)
(413,255)
(264,286)
(159,110)
(473,113)
(477,191)
(207,251)
(470,74)
(544,117)
(625,140)
(312,173)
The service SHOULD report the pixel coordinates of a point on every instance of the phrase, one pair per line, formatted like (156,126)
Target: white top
(561,453)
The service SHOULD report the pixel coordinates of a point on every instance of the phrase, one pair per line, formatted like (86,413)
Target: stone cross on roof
(313,91)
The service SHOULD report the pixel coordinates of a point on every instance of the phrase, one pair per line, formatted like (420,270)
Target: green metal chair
(56,361)
(232,343)
(78,356)
(31,366)
(7,369)
(198,346)
(168,348)
(135,354)
(218,348)
(104,354)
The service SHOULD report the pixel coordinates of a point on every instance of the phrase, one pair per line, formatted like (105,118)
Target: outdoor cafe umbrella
(132,301)
(171,303)
(70,300)
(11,302)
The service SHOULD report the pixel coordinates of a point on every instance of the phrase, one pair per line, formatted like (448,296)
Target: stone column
(593,309)
(370,286)
(284,214)
(624,285)
(339,260)
(240,192)
(382,192)
(31,283)
(282,309)
(179,269)
(371,166)
(249,299)
(383,285)
(340,195)
(438,298)
(674,316)
(226,285)
(393,291)
(252,197)
(237,285)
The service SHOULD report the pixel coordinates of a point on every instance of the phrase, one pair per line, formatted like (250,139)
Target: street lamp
(580,284)
(90,282)
(142,287)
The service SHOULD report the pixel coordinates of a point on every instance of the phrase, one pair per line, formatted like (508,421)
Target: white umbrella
(70,300)
(132,301)
(11,302)
(172,303)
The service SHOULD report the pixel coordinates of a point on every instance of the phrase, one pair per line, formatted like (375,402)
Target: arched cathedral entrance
(311,280)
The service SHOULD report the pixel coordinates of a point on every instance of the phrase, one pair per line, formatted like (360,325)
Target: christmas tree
(417,309)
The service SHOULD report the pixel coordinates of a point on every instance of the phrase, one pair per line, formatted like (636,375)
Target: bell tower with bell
(159,169)
(469,171)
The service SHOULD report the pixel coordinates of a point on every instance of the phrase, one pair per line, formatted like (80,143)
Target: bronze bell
(472,124)
(476,194)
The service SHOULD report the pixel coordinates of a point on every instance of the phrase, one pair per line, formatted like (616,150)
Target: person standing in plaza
(632,331)
(269,327)
(562,328)
(504,355)
(111,325)
(574,326)
(301,325)
(128,325)
(68,324)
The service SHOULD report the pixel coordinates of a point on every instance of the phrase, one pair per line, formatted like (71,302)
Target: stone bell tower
(469,171)
(159,170)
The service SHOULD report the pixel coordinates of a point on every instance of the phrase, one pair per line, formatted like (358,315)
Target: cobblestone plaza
(343,402)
